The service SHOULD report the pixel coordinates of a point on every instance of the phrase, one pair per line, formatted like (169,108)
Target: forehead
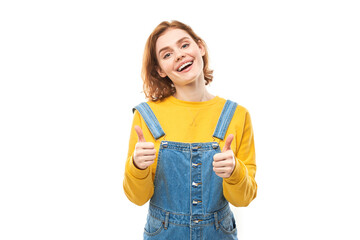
(169,37)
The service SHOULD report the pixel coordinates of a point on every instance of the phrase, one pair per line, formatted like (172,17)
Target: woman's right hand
(145,153)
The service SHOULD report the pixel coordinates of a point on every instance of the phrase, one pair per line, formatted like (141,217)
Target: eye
(166,55)
(185,45)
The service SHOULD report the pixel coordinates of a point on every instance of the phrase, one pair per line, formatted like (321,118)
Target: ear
(160,72)
(202,47)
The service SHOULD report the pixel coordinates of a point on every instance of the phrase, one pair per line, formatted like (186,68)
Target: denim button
(197,221)
(196,148)
(164,144)
(195,164)
(195,184)
(215,145)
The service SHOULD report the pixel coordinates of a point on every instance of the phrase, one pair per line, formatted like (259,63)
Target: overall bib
(188,200)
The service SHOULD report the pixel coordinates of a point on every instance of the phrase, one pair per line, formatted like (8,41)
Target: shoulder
(151,104)
(239,108)
(151,108)
(241,113)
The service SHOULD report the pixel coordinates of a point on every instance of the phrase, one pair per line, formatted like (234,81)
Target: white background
(70,75)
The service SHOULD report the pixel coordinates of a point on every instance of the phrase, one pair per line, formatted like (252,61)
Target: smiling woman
(159,52)
(180,60)
(190,177)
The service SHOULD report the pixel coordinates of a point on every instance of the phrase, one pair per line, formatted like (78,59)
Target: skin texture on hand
(145,153)
(224,162)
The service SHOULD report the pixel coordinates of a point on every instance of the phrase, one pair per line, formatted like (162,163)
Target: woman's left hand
(224,162)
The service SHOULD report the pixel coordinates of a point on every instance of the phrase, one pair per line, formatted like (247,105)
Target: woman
(207,156)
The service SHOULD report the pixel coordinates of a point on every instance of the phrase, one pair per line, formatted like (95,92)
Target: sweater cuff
(239,173)
(136,172)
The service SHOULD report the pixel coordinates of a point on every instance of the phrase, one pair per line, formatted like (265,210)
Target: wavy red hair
(156,87)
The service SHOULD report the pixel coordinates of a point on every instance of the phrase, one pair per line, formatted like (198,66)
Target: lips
(184,65)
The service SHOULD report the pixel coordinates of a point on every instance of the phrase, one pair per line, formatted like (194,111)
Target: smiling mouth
(184,66)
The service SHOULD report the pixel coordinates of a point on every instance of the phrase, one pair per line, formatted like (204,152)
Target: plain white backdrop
(70,75)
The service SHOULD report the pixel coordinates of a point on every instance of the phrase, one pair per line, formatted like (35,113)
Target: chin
(187,81)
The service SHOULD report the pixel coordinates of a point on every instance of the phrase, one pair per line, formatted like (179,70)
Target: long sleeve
(138,184)
(189,122)
(240,188)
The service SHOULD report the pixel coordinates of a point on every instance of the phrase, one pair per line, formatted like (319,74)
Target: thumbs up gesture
(144,154)
(224,162)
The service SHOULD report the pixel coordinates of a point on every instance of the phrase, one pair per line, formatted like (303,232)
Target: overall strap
(224,119)
(150,120)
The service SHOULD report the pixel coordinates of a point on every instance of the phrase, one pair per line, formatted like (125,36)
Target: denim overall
(188,200)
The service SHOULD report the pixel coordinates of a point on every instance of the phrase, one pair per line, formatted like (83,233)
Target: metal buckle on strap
(215,145)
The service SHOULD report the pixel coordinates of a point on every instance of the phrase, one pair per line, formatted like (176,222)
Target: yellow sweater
(191,122)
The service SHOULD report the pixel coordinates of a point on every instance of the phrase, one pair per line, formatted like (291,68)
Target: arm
(138,184)
(240,188)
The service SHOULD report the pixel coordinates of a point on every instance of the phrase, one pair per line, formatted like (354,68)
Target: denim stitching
(190,180)
(224,119)
(150,120)
(157,165)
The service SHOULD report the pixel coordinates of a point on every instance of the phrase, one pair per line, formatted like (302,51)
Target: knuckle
(139,145)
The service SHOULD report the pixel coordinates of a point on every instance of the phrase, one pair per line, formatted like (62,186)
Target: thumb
(228,141)
(140,134)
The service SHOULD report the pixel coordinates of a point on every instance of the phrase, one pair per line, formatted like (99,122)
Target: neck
(195,92)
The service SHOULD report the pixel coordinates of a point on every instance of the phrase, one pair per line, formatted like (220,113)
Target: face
(180,57)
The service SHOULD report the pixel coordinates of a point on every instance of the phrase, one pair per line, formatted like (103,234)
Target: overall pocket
(153,226)
(227,224)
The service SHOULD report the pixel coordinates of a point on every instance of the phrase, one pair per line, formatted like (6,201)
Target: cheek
(199,58)
(167,67)
(200,62)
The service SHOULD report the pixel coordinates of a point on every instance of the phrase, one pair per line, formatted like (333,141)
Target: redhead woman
(190,153)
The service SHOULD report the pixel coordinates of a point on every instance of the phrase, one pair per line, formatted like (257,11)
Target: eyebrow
(177,42)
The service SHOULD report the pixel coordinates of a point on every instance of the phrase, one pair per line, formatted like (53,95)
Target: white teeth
(184,65)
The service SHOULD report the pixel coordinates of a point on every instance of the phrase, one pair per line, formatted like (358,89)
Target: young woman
(190,152)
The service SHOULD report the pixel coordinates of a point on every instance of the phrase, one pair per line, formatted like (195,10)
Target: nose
(179,55)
